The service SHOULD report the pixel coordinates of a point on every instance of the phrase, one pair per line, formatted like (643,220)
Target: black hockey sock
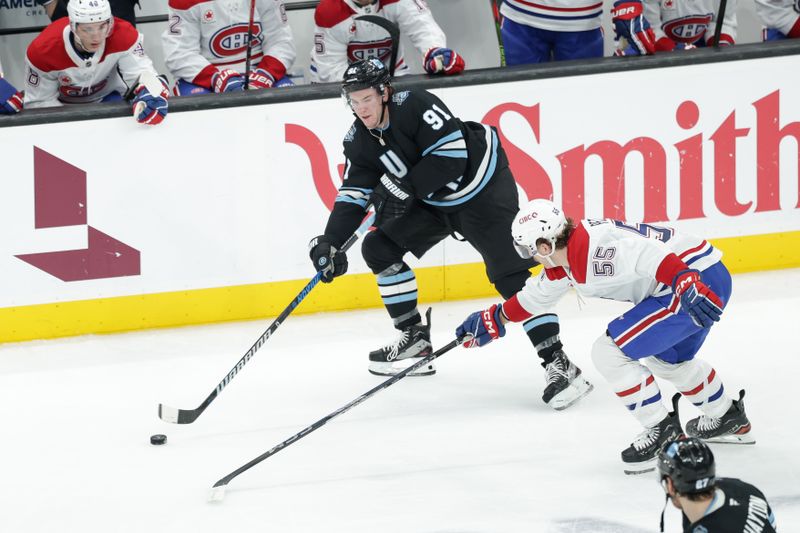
(543,330)
(398,287)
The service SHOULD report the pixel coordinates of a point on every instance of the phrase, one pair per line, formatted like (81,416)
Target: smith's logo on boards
(695,188)
(59,201)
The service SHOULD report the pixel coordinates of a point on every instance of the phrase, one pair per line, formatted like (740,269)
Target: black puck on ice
(158,439)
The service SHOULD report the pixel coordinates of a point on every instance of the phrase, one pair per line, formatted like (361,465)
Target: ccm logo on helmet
(529,216)
(232,40)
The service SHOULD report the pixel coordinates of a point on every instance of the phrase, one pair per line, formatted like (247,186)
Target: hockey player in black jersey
(429,175)
(710,504)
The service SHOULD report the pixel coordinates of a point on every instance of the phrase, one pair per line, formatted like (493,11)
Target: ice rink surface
(471,449)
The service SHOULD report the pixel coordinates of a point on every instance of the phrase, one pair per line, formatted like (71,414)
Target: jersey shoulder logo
(399,98)
(350,135)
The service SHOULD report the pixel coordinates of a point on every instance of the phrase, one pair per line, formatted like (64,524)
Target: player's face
(92,35)
(367,104)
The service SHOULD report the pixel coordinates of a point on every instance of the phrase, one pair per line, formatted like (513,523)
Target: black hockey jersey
(737,507)
(446,162)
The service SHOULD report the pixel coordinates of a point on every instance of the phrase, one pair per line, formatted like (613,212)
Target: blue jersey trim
(538,321)
(486,177)
(461,154)
(350,200)
(446,139)
(554,17)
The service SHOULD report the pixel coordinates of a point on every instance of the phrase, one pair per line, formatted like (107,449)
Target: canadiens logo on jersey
(687,29)
(74,91)
(232,40)
(357,51)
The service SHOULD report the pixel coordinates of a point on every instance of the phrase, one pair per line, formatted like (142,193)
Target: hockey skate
(413,344)
(641,455)
(564,383)
(732,428)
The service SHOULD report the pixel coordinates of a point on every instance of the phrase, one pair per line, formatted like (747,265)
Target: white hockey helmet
(540,219)
(89,11)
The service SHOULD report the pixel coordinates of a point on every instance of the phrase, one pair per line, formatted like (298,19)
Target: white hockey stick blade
(167,413)
(217,494)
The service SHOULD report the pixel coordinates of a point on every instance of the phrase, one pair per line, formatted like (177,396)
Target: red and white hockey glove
(10,99)
(260,79)
(227,81)
(630,24)
(700,302)
(443,61)
(482,327)
(150,100)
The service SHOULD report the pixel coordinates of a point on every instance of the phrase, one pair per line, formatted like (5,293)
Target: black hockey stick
(720,17)
(249,52)
(394,33)
(218,490)
(187,416)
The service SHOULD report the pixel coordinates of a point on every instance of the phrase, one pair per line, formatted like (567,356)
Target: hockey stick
(187,416)
(495,7)
(249,52)
(218,490)
(394,33)
(720,17)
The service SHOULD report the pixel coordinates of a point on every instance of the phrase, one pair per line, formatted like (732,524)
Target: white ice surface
(471,449)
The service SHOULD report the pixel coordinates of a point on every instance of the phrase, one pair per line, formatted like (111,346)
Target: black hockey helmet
(365,74)
(689,463)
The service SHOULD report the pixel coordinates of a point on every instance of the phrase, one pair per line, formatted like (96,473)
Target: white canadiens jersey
(340,40)
(205,34)
(615,260)
(688,21)
(555,15)
(58,75)
(779,14)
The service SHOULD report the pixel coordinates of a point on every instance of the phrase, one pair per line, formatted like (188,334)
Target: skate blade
(395,367)
(576,390)
(745,438)
(644,467)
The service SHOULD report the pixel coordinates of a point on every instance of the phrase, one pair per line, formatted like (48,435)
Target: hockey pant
(650,341)
(525,44)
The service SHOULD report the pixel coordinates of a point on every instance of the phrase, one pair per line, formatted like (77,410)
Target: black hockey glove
(326,258)
(392,198)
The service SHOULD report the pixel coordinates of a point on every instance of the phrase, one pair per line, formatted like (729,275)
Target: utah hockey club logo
(59,201)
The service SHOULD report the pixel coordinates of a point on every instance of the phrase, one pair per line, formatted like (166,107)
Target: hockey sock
(632,382)
(398,287)
(698,382)
(543,331)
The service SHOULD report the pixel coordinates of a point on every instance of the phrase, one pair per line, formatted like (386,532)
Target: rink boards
(110,226)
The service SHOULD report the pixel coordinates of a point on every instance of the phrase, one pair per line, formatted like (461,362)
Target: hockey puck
(158,439)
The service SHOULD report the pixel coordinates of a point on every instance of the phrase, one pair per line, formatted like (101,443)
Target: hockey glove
(149,108)
(260,79)
(10,99)
(697,299)
(391,198)
(442,61)
(326,258)
(630,24)
(227,81)
(481,328)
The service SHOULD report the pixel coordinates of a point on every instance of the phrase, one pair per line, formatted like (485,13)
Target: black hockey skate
(732,428)
(564,383)
(641,455)
(413,344)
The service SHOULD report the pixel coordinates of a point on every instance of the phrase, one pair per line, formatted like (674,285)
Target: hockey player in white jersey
(678,286)
(93,57)
(10,97)
(644,28)
(339,39)
(781,18)
(551,30)
(205,45)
